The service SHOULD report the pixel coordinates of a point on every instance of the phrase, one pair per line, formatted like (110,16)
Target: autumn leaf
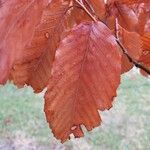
(85,77)
(125,15)
(143,17)
(17,25)
(99,8)
(145,57)
(132,42)
(126,65)
(61,45)
(35,67)
(130,2)
(78,15)
(133,45)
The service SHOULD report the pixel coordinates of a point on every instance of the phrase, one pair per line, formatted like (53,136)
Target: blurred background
(126,126)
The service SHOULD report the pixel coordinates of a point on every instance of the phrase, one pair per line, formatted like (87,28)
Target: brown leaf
(145,57)
(35,69)
(126,65)
(133,44)
(85,77)
(18,20)
(130,2)
(99,8)
(110,22)
(143,17)
(78,15)
(126,17)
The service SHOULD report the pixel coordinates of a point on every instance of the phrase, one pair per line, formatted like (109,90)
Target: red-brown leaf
(126,17)
(145,57)
(126,65)
(78,15)
(85,77)
(35,68)
(143,17)
(129,2)
(99,7)
(18,20)
(133,44)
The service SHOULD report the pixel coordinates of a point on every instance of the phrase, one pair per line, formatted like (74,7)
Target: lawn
(125,127)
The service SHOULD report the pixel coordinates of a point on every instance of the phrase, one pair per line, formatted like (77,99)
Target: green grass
(21,110)
(125,127)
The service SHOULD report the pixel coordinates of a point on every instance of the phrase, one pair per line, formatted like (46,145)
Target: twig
(137,64)
(89,5)
(125,52)
(85,9)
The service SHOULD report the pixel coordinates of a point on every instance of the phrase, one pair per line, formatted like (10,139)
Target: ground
(125,127)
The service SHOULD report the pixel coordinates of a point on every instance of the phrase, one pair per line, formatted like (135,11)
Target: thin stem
(89,5)
(125,52)
(85,9)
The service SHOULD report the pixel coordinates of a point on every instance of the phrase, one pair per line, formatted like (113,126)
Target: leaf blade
(35,69)
(87,83)
(18,22)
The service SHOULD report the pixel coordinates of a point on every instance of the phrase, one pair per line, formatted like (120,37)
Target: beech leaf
(35,67)
(145,57)
(85,77)
(18,20)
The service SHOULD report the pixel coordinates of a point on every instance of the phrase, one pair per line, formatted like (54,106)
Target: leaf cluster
(77,49)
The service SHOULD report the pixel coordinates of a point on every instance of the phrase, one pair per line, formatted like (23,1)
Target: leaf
(17,25)
(85,77)
(133,44)
(110,22)
(78,15)
(126,65)
(99,8)
(143,17)
(125,15)
(129,2)
(35,69)
(95,7)
(145,57)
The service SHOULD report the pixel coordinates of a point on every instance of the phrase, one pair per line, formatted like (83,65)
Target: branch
(137,64)
(125,52)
